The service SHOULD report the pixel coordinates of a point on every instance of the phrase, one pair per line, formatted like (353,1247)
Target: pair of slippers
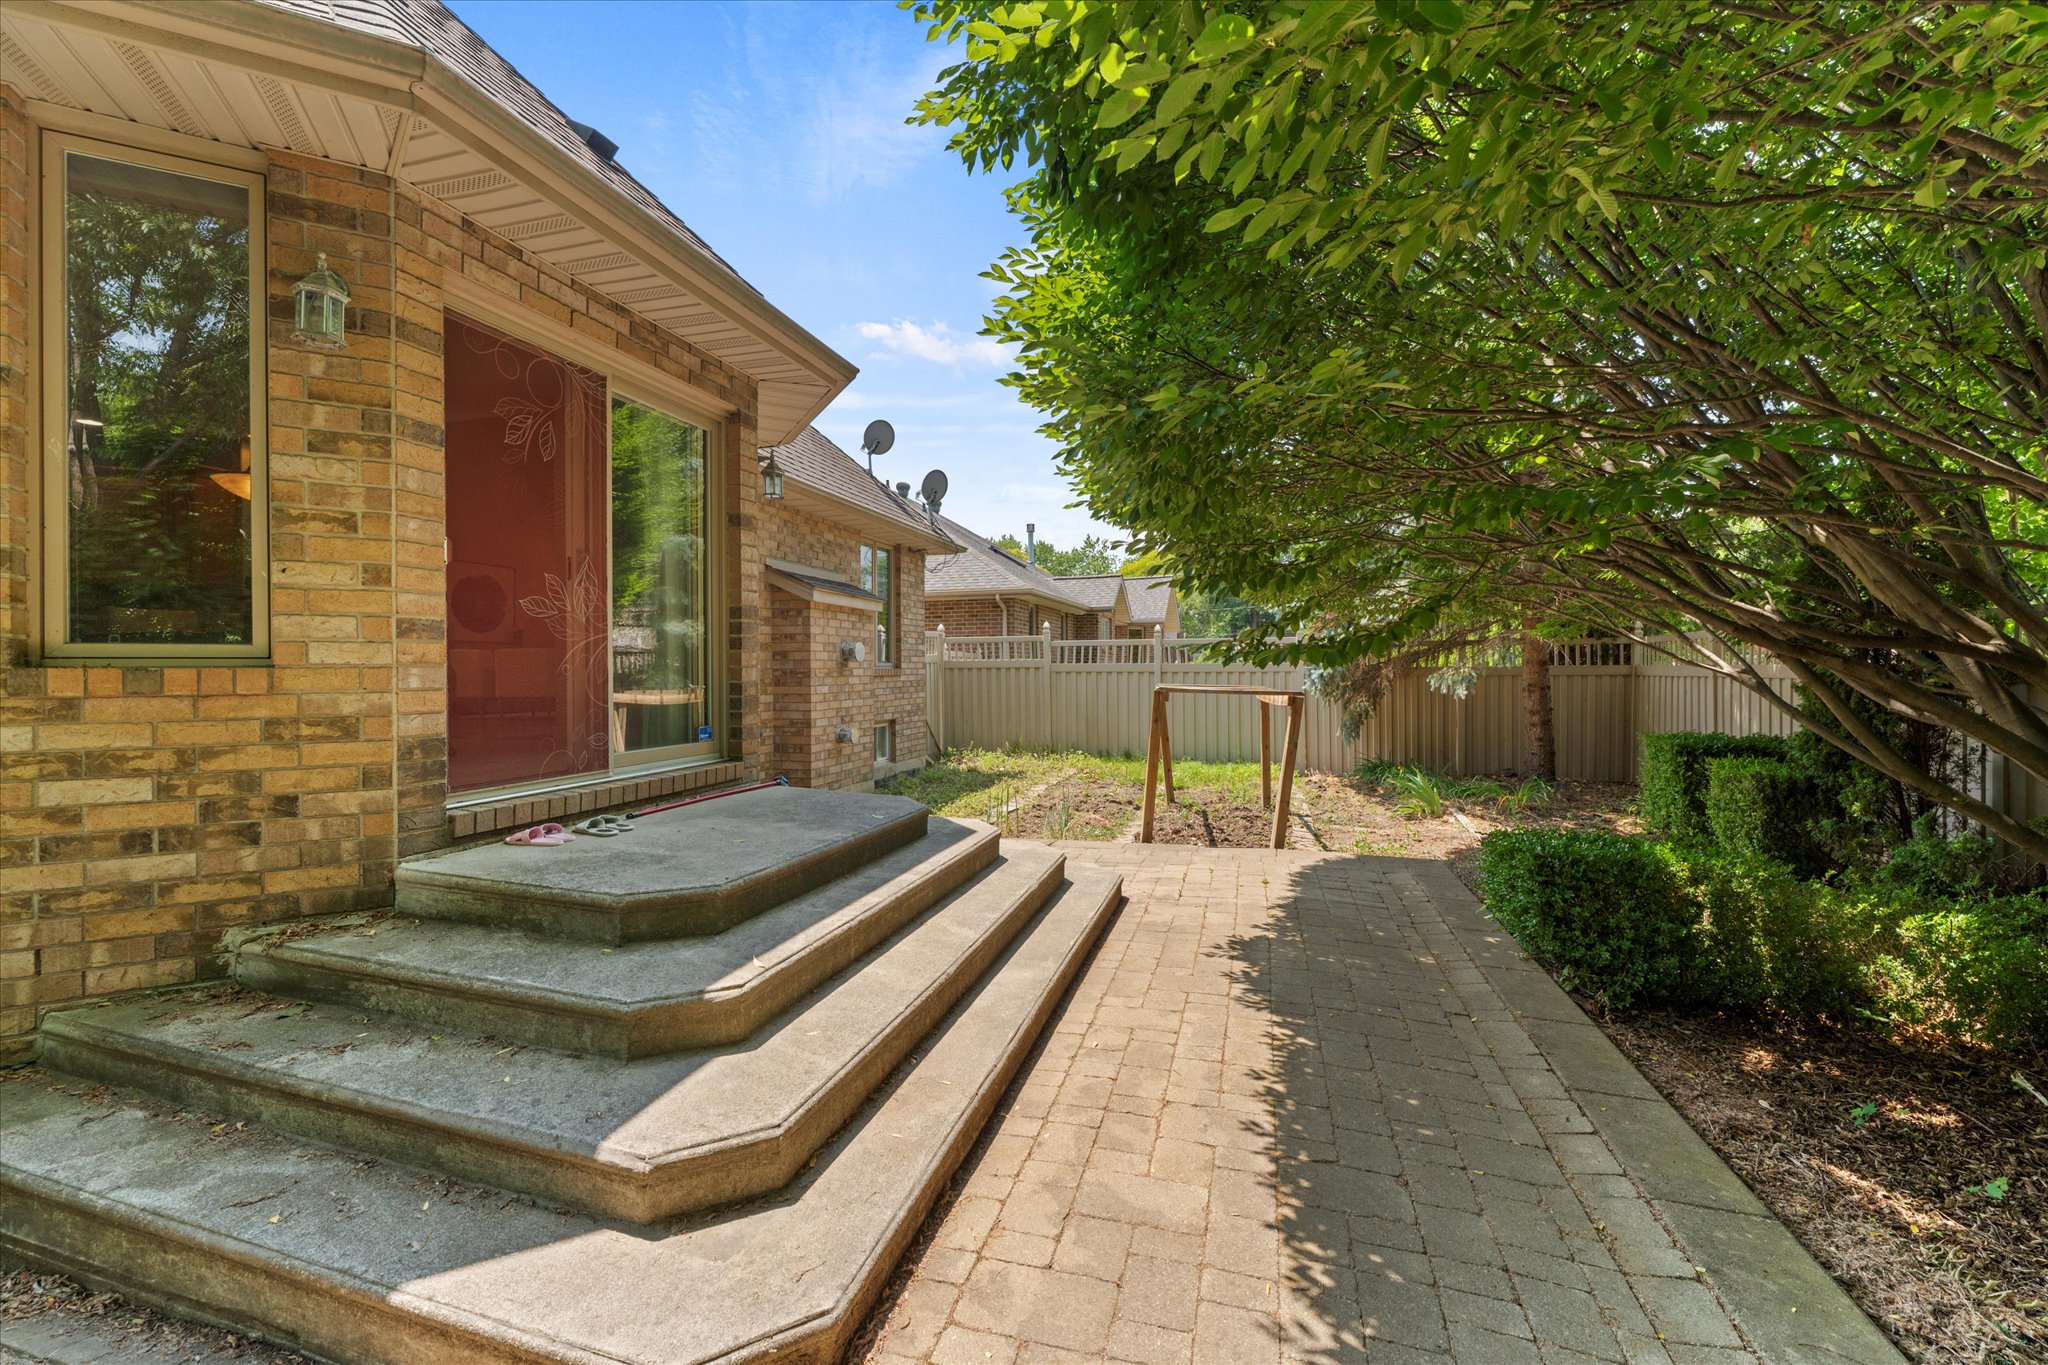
(542,836)
(554,836)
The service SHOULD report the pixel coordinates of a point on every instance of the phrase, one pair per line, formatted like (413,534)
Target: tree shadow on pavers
(1358,1007)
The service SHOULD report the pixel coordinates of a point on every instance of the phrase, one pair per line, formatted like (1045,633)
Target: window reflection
(157,406)
(659,660)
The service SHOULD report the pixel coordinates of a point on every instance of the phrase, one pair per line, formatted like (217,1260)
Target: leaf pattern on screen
(528,426)
(573,609)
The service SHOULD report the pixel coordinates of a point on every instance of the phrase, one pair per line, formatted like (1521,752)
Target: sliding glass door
(660,657)
(578,573)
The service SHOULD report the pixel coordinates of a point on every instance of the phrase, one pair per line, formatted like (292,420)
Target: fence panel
(1096,695)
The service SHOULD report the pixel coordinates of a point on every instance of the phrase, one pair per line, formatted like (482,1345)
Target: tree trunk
(1539,734)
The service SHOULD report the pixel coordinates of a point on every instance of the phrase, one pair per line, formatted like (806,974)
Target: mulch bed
(1885,1204)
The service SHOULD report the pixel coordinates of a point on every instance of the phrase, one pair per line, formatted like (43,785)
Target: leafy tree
(1424,319)
(1093,555)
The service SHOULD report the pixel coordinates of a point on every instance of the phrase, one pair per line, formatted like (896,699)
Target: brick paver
(1288,1119)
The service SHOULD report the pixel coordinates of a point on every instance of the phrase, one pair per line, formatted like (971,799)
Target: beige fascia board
(818,594)
(827,506)
(305,49)
(1043,599)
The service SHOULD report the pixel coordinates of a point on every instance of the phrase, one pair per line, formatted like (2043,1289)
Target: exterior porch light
(771,478)
(320,308)
(236,481)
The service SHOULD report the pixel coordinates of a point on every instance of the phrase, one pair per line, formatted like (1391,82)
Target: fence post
(935,687)
(1158,658)
(1045,678)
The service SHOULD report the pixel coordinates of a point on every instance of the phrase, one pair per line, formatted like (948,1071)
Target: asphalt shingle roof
(1098,590)
(982,568)
(1149,599)
(812,459)
(433,28)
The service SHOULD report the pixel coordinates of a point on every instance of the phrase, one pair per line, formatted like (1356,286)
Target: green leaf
(1225,34)
(1178,95)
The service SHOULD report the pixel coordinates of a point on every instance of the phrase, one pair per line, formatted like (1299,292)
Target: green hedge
(1764,808)
(1976,969)
(1766,937)
(1607,911)
(1673,792)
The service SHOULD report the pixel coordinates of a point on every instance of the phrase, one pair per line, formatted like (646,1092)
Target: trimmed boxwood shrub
(1766,937)
(1972,969)
(1763,808)
(1606,911)
(1673,776)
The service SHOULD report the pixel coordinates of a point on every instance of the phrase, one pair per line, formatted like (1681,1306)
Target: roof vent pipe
(903,490)
(1031,544)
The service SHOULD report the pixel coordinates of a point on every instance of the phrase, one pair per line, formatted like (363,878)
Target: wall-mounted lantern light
(236,481)
(771,478)
(320,308)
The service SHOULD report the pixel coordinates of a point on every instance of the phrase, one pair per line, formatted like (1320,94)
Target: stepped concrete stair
(858,986)
(367,1260)
(642,1139)
(698,870)
(635,1000)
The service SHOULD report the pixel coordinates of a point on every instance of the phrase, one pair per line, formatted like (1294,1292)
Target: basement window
(885,742)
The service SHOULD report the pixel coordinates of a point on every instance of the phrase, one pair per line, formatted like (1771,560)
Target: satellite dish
(877,439)
(934,490)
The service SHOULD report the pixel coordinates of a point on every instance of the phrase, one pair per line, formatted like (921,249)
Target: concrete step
(636,1000)
(642,1139)
(698,870)
(378,1263)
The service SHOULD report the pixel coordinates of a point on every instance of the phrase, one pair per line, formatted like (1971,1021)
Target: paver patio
(1311,1108)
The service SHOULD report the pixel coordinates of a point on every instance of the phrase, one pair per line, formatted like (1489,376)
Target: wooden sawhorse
(1159,750)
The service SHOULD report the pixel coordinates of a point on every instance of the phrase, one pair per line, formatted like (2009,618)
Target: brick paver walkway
(1288,1117)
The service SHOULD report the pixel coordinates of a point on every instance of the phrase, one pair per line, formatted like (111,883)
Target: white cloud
(938,343)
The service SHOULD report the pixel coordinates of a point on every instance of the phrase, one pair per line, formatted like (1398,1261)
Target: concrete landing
(643,1139)
(373,1262)
(698,870)
(634,1000)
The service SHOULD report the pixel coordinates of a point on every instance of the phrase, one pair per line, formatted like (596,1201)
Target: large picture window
(154,416)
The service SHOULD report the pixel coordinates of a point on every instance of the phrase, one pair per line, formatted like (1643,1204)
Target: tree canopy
(1093,555)
(1418,318)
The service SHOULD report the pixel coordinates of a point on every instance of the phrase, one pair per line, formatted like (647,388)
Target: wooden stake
(1152,763)
(1287,757)
(1265,755)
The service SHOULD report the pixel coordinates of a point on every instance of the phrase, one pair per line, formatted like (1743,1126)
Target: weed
(1991,1189)
(1417,793)
(1863,1113)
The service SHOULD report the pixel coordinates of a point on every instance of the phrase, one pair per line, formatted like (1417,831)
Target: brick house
(986,590)
(282,607)
(844,562)
(1127,608)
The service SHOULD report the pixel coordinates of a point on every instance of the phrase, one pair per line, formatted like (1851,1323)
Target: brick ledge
(513,812)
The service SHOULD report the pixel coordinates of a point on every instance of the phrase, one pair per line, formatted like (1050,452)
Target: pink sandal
(542,836)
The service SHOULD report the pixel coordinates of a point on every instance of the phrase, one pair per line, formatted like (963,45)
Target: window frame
(625,378)
(54,148)
(885,743)
(872,571)
(617,389)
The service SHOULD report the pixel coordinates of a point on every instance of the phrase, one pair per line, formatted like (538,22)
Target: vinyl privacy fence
(1095,695)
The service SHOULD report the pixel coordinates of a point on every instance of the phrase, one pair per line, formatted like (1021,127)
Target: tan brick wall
(149,809)
(981,616)
(812,691)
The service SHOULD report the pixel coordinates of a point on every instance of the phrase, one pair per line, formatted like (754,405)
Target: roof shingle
(983,568)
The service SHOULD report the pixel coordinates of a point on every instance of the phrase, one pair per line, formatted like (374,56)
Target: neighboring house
(845,565)
(1126,608)
(281,607)
(986,590)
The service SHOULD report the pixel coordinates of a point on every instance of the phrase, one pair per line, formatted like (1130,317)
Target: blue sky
(776,130)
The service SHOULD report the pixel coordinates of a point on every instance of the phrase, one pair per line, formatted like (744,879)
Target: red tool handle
(708,796)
